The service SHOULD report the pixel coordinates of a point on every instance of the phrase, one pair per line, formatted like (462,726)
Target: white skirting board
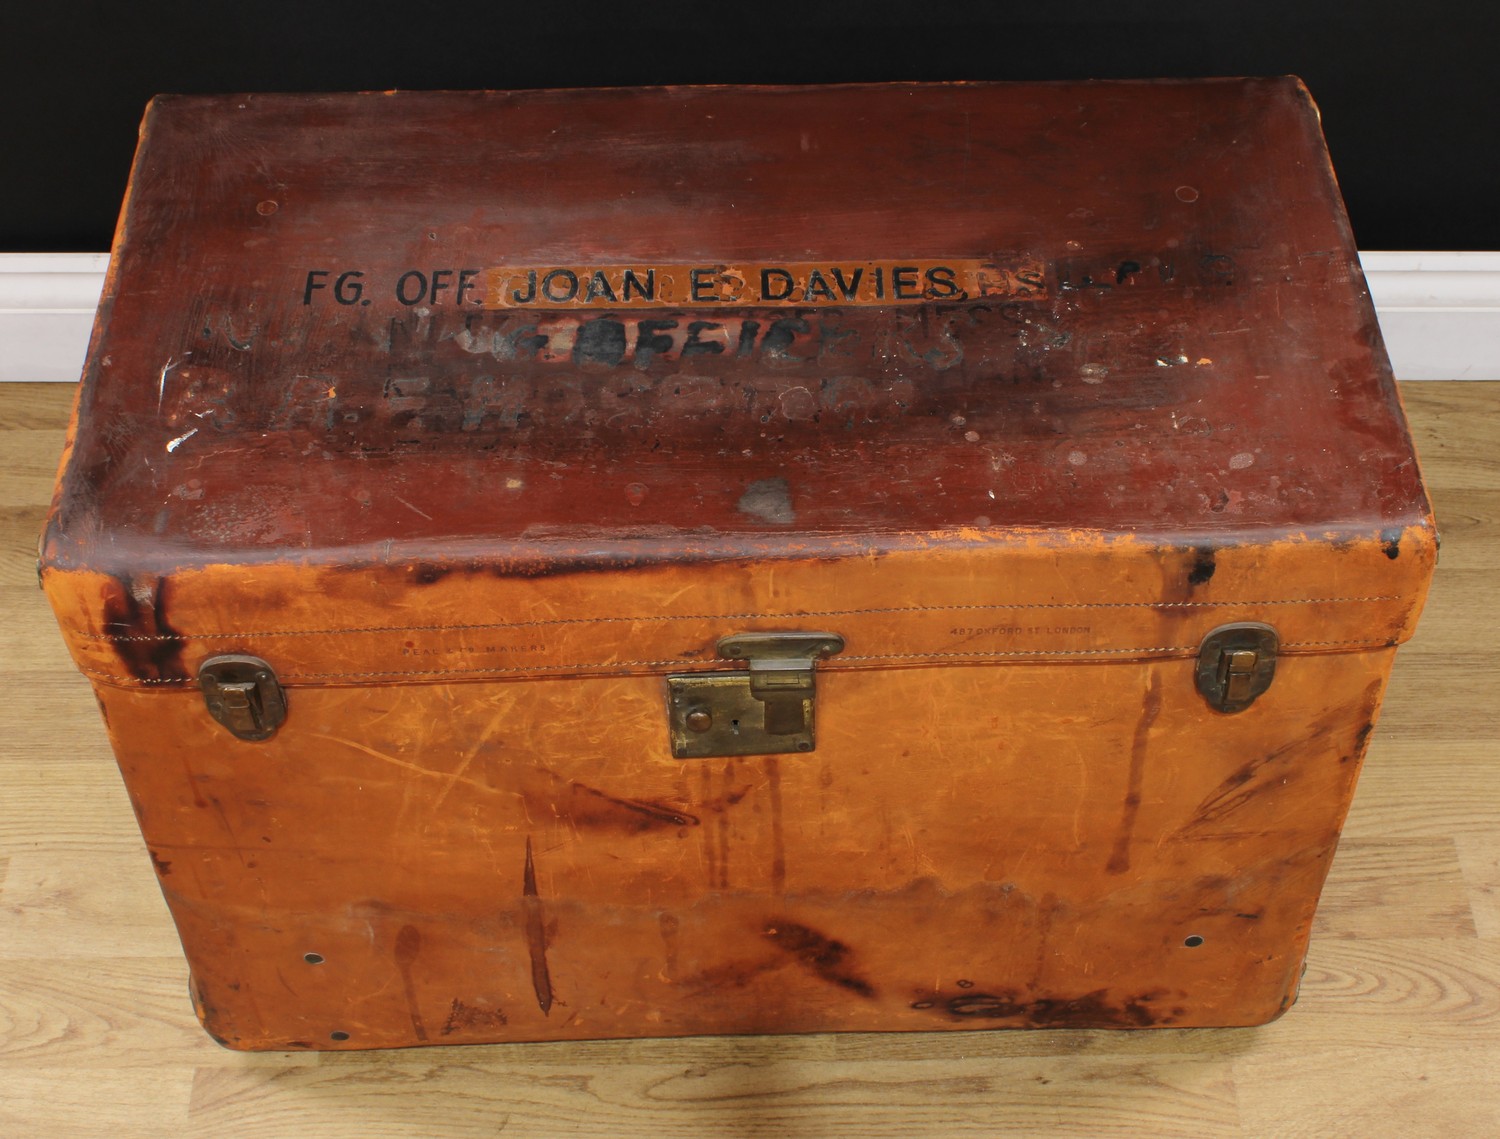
(46,313)
(1440,313)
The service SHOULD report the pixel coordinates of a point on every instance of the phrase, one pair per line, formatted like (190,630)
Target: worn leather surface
(473,553)
(999,847)
(973,599)
(1200,359)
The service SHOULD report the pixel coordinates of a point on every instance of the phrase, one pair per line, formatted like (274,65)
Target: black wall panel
(1410,92)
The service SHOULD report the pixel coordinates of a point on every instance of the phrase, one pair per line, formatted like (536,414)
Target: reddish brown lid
(1125,307)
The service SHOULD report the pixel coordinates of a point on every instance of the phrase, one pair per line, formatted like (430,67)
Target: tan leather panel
(958,602)
(1021,845)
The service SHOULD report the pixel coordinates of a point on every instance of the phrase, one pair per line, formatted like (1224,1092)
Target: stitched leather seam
(114,638)
(686,664)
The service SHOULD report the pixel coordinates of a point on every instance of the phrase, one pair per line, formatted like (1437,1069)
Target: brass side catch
(243,694)
(763,711)
(1236,663)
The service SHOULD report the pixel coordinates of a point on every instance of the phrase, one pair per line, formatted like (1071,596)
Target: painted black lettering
(632,282)
(904,281)
(600,341)
(466,284)
(695,346)
(304,399)
(441,279)
(941,283)
(784,284)
(313,283)
(400,337)
(409,390)
(746,345)
(530,296)
(521,343)
(648,342)
(834,339)
(347,289)
(598,287)
(703,283)
(781,335)
(411,275)
(570,284)
(1030,280)
(848,288)
(817,288)
(880,284)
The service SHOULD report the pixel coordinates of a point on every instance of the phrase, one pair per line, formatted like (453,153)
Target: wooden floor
(1397,1032)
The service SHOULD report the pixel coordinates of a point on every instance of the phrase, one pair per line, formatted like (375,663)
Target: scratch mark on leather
(722,827)
(647,811)
(669,925)
(778,835)
(1119,859)
(710,849)
(536,935)
(1252,778)
(452,777)
(457,775)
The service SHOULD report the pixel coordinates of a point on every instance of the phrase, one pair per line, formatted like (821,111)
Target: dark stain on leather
(408,949)
(1090,1010)
(471,1018)
(141,635)
(536,934)
(1245,782)
(1119,859)
(823,956)
(1203,565)
(588,806)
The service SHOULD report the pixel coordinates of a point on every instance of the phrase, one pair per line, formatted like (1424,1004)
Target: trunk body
(431,446)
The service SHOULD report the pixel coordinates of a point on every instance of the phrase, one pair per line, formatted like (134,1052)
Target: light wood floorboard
(1397,1032)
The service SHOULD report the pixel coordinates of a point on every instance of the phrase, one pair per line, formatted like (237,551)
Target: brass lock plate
(766,710)
(715,713)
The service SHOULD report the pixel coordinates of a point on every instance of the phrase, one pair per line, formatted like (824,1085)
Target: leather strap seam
(833,666)
(115,638)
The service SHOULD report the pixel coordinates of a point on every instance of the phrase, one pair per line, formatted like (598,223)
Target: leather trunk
(581,564)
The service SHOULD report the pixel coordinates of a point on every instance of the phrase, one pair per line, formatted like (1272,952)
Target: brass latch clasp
(1236,663)
(765,710)
(243,694)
